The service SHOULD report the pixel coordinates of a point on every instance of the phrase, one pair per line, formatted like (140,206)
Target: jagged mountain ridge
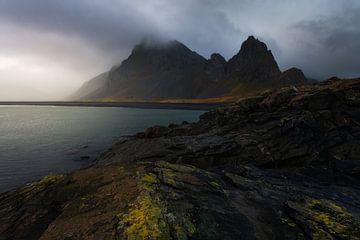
(172,70)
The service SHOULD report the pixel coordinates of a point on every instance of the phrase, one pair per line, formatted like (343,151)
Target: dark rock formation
(254,63)
(171,70)
(293,76)
(153,70)
(216,67)
(281,165)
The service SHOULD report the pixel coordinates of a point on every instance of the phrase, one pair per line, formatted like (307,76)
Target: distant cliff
(172,70)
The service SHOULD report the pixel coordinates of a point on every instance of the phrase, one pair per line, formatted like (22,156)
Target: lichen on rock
(323,217)
(149,218)
(47,180)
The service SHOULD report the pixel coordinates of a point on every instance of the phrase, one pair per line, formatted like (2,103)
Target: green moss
(328,217)
(47,180)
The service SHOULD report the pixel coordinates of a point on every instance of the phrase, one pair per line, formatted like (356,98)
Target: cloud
(106,25)
(71,41)
(330,45)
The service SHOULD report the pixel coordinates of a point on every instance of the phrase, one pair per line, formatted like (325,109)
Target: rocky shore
(281,165)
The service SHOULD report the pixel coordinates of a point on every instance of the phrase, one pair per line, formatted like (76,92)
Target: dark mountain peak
(252,45)
(216,67)
(254,63)
(254,48)
(154,46)
(293,76)
(169,69)
(216,57)
(161,54)
(334,78)
(159,69)
(294,71)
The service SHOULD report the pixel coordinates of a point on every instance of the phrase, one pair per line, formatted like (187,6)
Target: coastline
(148,105)
(74,138)
(246,171)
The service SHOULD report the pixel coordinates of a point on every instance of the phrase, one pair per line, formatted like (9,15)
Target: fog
(49,48)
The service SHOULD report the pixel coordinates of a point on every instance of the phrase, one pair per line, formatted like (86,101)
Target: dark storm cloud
(331,45)
(117,25)
(77,39)
(110,25)
(203,25)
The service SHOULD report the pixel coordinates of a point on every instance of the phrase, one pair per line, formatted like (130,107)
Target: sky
(50,48)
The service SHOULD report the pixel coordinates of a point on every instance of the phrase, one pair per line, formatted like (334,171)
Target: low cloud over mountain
(74,40)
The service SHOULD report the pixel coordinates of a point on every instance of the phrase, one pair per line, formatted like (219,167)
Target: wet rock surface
(282,165)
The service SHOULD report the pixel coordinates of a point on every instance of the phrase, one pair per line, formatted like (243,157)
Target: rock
(216,67)
(156,131)
(279,98)
(172,125)
(85,157)
(254,63)
(293,76)
(250,104)
(323,219)
(282,165)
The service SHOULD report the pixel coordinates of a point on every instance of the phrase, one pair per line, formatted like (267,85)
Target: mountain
(91,88)
(171,70)
(253,64)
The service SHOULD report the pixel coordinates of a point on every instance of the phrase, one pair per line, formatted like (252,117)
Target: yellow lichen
(45,181)
(289,222)
(215,184)
(323,218)
(176,167)
(332,218)
(145,220)
(179,231)
(184,230)
(150,178)
(184,227)
(169,177)
(148,217)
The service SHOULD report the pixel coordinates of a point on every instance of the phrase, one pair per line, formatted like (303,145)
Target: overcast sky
(50,47)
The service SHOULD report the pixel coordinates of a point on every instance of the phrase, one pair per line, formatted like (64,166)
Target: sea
(39,140)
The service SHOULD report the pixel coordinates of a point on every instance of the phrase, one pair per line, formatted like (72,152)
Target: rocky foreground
(283,165)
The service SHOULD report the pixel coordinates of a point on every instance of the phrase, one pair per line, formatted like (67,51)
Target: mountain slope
(172,70)
(90,88)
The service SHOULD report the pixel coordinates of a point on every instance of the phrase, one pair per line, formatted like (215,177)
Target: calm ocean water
(38,140)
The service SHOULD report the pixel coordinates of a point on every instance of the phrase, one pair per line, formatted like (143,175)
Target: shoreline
(249,170)
(148,105)
(88,158)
